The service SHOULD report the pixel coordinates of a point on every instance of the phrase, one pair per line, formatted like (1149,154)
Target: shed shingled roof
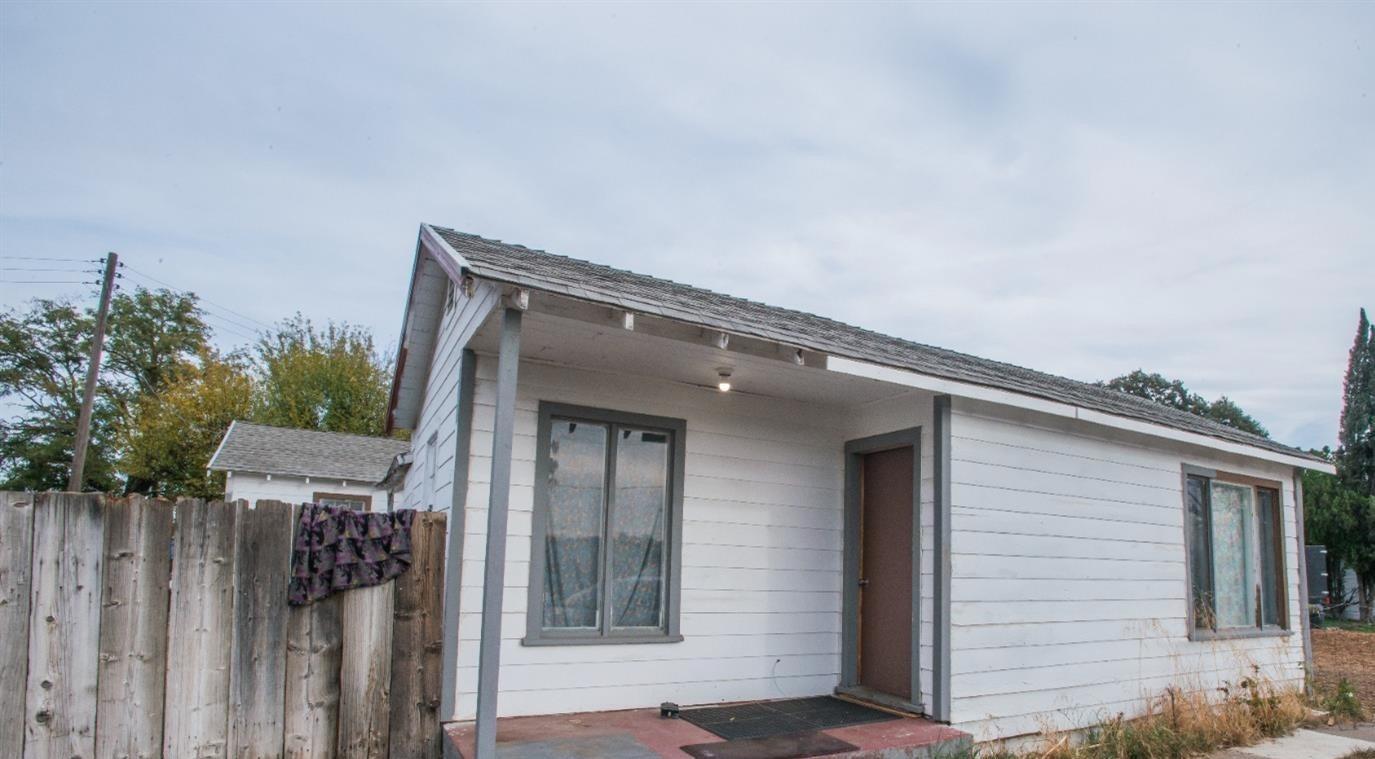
(249,447)
(536,269)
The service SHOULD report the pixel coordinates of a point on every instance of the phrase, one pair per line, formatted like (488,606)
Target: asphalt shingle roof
(536,269)
(249,447)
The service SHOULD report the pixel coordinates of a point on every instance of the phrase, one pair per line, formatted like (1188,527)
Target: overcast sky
(1079,189)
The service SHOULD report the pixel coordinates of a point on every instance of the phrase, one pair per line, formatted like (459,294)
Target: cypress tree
(1356,457)
(1356,460)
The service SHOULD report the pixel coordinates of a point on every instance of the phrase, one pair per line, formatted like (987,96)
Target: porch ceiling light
(724,375)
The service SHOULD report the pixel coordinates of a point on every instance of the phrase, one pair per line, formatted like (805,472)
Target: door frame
(855,450)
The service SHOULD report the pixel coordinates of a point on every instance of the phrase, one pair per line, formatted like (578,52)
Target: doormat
(794,746)
(766,719)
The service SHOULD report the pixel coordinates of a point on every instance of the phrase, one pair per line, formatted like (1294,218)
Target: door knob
(863,582)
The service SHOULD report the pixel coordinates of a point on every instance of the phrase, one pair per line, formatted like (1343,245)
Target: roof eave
(454,265)
(220,448)
(964,389)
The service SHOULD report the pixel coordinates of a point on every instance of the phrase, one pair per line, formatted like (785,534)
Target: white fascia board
(456,264)
(210,465)
(910,378)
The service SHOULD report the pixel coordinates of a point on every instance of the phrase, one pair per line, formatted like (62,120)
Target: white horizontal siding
(762,532)
(252,487)
(1069,581)
(762,548)
(438,414)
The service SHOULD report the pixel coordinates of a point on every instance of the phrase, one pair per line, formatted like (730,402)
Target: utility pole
(83,424)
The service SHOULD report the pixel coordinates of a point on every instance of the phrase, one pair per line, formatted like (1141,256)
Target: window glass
(577,496)
(1200,564)
(342,503)
(638,515)
(1233,518)
(1268,517)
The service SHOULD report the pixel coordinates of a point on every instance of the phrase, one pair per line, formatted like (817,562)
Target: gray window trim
(535,634)
(849,664)
(1282,630)
(942,569)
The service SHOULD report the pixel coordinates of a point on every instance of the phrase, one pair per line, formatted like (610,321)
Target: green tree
(1356,458)
(1225,411)
(1356,429)
(153,334)
(43,357)
(1155,387)
(172,433)
(328,378)
(1342,519)
(1173,393)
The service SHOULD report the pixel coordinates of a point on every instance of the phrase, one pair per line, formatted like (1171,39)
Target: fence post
(365,673)
(64,626)
(16,555)
(417,644)
(198,642)
(257,672)
(133,627)
(313,649)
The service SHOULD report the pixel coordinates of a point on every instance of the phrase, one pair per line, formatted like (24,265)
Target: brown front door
(885,570)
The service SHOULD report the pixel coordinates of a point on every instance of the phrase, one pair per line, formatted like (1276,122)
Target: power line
(264,325)
(49,258)
(227,326)
(42,268)
(47,282)
(210,308)
(223,323)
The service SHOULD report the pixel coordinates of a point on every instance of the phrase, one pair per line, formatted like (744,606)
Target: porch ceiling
(609,347)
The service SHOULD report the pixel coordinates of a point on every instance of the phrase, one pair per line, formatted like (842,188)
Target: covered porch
(797,493)
(645,734)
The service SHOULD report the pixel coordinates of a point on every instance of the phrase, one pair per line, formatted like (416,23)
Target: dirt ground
(1340,653)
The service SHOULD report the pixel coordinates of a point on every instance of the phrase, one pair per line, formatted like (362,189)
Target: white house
(662,493)
(305,466)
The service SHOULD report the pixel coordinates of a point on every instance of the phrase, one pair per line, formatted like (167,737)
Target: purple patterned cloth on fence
(338,548)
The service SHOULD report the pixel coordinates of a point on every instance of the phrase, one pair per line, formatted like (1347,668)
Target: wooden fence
(140,628)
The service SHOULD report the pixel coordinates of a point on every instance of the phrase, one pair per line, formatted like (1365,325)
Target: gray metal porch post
(494,565)
(453,556)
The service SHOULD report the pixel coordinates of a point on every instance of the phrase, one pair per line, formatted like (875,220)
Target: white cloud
(1079,189)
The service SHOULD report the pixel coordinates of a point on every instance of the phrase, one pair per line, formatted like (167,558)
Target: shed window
(1236,555)
(344,501)
(608,497)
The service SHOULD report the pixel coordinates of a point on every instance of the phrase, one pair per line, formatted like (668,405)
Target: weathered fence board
(16,553)
(64,627)
(198,645)
(133,627)
(159,629)
(313,649)
(365,674)
(417,644)
(262,565)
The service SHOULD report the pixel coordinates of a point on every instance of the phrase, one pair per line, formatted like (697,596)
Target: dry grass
(1180,724)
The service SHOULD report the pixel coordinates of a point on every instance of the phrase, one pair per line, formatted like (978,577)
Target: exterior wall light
(724,374)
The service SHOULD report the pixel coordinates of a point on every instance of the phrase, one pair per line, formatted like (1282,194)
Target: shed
(305,466)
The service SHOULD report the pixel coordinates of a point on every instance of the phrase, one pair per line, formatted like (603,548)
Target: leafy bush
(1344,705)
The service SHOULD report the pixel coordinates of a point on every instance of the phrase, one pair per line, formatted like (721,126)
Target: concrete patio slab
(644,730)
(1303,744)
